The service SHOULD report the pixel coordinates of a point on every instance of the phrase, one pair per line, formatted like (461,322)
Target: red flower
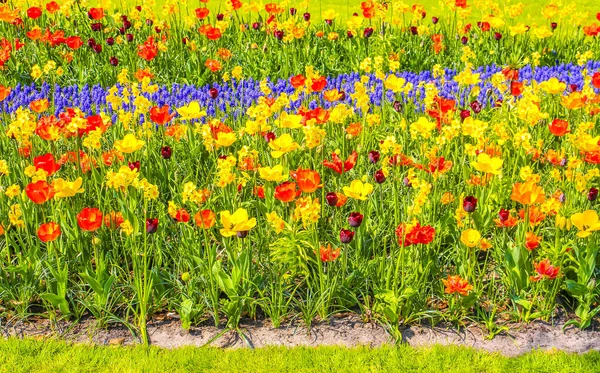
(458,285)
(416,234)
(205,219)
(47,163)
(545,270)
(328,254)
(52,7)
(236,4)
(559,127)
(148,50)
(297,81)
(34,12)
(596,79)
(96,13)
(213,34)
(460,3)
(532,241)
(39,192)
(89,219)
(336,163)
(48,232)
(516,88)
(319,84)
(287,192)
(202,13)
(160,115)
(308,180)
(74,42)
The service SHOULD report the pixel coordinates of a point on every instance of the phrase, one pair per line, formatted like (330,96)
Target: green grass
(53,356)
(345,8)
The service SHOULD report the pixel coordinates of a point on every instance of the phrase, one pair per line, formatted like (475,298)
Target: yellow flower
(283,144)
(225,139)
(276,221)
(527,193)
(191,111)
(129,144)
(12,191)
(126,227)
(487,164)
(586,222)
(358,190)
(470,237)
(3,167)
(272,173)
(236,222)
(290,120)
(394,84)
(553,86)
(66,189)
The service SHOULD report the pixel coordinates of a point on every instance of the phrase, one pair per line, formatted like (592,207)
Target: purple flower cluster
(231,99)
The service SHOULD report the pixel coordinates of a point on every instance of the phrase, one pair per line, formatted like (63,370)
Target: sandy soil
(347,331)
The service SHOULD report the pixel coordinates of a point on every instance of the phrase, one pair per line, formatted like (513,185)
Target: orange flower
(516,88)
(328,254)
(559,127)
(536,216)
(89,219)
(205,219)
(4,92)
(40,105)
(47,163)
(354,129)
(308,180)
(39,192)
(297,81)
(545,270)
(160,115)
(48,232)
(213,34)
(213,65)
(575,100)
(336,163)
(460,3)
(48,128)
(148,50)
(52,7)
(527,193)
(140,74)
(532,241)
(96,13)
(332,95)
(113,220)
(287,192)
(202,13)
(456,284)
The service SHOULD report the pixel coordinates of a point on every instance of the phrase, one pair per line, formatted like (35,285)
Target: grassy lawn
(53,356)
(531,11)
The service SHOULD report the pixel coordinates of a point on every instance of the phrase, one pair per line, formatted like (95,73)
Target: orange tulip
(39,192)
(527,193)
(89,219)
(328,254)
(308,180)
(48,232)
(4,92)
(40,105)
(205,219)
(287,192)
(47,163)
(456,284)
(559,127)
(545,270)
(160,115)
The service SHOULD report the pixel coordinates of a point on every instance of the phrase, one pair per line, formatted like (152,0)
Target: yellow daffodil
(358,190)
(586,222)
(66,189)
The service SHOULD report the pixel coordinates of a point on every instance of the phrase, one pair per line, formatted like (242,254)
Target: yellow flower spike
(191,111)
(358,190)
(470,237)
(129,144)
(487,164)
(586,222)
(236,222)
(66,189)
(274,173)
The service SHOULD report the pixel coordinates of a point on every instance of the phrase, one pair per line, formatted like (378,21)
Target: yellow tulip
(586,222)
(487,164)
(272,173)
(283,144)
(129,144)
(358,190)
(470,237)
(191,111)
(236,222)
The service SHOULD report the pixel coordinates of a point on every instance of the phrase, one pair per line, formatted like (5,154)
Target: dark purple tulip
(114,61)
(292,11)
(503,215)
(592,194)
(355,219)
(166,152)
(123,18)
(346,235)
(342,95)
(91,42)
(374,156)
(306,16)
(110,41)
(470,204)
(397,106)
(332,199)
(256,25)
(127,24)
(278,34)
(269,136)
(413,30)
(157,30)
(129,37)
(564,162)
(554,25)
(349,34)
(242,234)
(497,36)
(464,114)
(464,40)
(97,48)
(220,16)
(149,22)
(213,93)
(354,14)
(134,165)
(96,26)
(122,30)
(184,41)
(476,106)
(379,177)
(329,22)
(151,225)
(138,8)
(368,32)
(434,20)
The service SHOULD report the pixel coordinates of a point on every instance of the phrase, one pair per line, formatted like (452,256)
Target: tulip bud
(166,152)
(349,34)
(503,215)
(434,20)
(220,16)
(97,48)
(346,236)
(269,136)
(332,199)
(329,22)
(242,234)
(592,194)
(476,106)
(256,25)
(110,41)
(554,25)
(129,37)
(306,16)
(469,204)
(368,32)
(149,22)
(213,93)
(397,106)
(374,156)
(292,11)
(379,177)
(355,219)
(464,40)
(114,61)
(464,114)
(151,225)
(96,26)
(497,36)
(278,34)
(134,165)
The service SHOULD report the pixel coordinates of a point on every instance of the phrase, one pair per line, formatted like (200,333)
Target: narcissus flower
(457,285)
(129,144)
(236,222)
(358,190)
(205,219)
(89,219)
(66,189)
(586,222)
(308,180)
(527,193)
(327,254)
(48,232)
(545,271)
(39,192)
